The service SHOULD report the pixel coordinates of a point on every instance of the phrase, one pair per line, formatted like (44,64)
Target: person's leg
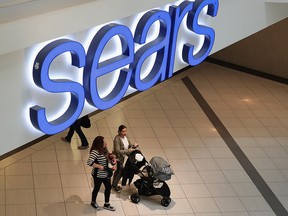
(84,141)
(117,176)
(70,134)
(97,185)
(107,192)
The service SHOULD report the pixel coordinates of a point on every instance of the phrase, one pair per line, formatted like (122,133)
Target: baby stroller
(152,177)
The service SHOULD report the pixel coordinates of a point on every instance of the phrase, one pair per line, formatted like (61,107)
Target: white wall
(239,19)
(236,20)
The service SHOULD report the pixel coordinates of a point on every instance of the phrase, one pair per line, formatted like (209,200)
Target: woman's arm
(135,145)
(91,161)
(97,166)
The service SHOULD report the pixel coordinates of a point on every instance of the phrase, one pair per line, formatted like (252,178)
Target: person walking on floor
(98,159)
(76,126)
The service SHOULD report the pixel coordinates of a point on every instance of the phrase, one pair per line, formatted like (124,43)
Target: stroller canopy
(161,168)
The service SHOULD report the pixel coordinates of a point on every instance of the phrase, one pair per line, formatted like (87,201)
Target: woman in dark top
(98,160)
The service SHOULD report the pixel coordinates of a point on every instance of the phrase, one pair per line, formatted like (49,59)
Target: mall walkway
(224,132)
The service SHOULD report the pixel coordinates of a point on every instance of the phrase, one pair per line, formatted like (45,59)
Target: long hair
(98,144)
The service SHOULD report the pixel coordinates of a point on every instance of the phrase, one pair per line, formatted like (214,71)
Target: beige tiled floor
(51,178)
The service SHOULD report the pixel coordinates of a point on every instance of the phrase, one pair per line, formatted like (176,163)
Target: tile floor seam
(264,189)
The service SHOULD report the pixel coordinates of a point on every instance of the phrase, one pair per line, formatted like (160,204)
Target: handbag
(85,122)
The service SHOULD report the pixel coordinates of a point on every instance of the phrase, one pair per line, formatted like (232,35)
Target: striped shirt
(101,160)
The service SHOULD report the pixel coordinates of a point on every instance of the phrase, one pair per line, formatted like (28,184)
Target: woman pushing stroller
(122,147)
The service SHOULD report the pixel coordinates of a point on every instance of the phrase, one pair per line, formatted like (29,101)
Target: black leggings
(97,185)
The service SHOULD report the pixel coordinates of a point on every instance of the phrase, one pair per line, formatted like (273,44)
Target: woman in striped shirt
(98,160)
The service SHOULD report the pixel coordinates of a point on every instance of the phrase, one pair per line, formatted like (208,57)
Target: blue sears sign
(129,62)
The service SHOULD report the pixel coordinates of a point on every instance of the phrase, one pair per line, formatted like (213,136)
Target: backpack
(85,122)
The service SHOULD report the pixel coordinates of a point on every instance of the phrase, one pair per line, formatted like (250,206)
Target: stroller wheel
(165,201)
(135,198)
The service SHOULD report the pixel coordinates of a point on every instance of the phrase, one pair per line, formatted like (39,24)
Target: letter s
(192,24)
(42,80)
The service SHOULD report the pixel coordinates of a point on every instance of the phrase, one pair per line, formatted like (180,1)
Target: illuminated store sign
(130,61)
